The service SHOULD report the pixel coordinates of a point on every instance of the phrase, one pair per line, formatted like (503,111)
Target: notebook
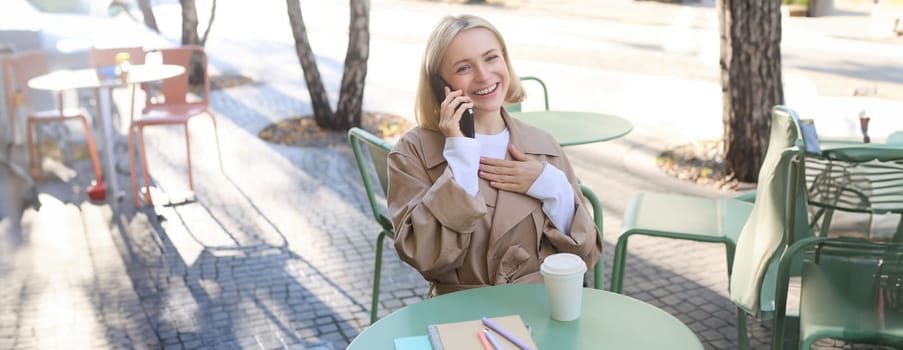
(810,136)
(419,342)
(463,335)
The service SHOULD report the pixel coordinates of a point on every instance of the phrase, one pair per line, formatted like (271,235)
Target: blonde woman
(472,212)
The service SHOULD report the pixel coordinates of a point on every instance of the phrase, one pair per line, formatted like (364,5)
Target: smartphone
(466,122)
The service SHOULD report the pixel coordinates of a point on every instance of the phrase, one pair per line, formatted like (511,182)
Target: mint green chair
(778,216)
(840,276)
(863,308)
(379,154)
(895,138)
(753,233)
(516,107)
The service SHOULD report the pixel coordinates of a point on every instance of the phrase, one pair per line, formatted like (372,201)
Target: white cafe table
(89,78)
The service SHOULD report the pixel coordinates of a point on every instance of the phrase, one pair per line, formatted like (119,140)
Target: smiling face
(474,62)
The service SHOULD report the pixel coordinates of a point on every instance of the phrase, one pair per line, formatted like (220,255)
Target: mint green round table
(608,320)
(577,128)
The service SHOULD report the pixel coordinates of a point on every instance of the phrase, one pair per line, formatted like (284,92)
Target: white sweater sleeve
(463,157)
(557,196)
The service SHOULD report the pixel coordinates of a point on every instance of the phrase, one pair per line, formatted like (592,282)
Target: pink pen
(498,329)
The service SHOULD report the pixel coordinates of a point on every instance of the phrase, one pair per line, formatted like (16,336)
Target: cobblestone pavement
(277,249)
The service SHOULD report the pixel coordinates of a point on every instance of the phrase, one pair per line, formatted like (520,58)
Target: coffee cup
(563,276)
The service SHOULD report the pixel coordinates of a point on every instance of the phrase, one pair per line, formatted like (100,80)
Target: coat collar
(525,137)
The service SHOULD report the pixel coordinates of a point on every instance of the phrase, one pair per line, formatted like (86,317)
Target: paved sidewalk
(277,250)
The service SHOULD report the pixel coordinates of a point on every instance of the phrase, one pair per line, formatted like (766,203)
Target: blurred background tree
(750,80)
(351,94)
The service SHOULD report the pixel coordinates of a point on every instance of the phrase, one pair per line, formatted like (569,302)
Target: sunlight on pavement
(63,317)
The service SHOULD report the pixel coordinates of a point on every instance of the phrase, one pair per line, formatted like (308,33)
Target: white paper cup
(563,275)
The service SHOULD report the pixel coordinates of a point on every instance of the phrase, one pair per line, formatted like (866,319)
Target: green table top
(857,152)
(577,128)
(608,320)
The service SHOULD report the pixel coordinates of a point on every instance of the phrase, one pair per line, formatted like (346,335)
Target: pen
(498,329)
(495,342)
(484,341)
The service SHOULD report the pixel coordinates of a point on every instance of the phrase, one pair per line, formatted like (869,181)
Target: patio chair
(851,289)
(516,107)
(855,177)
(853,297)
(106,58)
(174,104)
(833,302)
(710,220)
(753,234)
(18,69)
(379,155)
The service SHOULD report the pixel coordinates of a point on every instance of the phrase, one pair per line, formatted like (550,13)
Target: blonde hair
(426,108)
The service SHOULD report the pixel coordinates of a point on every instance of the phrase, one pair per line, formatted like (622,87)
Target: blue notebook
(419,342)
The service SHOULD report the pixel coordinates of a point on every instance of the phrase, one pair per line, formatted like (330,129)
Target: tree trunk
(148,13)
(209,23)
(318,97)
(750,80)
(351,95)
(189,23)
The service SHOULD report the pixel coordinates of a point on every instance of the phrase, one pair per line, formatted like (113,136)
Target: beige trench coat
(457,241)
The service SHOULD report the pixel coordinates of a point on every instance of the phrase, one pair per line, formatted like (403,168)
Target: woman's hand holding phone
(451,110)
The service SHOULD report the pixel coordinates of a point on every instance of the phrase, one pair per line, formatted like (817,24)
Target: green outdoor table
(855,177)
(608,320)
(577,128)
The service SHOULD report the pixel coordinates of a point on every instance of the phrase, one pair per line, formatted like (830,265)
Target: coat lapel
(511,208)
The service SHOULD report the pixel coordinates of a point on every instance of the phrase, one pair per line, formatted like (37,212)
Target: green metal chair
(853,298)
(839,282)
(778,216)
(753,233)
(851,289)
(379,154)
(516,107)
(895,138)
(599,269)
(675,216)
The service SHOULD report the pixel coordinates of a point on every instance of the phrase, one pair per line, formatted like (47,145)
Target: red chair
(106,57)
(173,104)
(18,69)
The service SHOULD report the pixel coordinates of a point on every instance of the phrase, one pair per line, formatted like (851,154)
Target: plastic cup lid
(563,264)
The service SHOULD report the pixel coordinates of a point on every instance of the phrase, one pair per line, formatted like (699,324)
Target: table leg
(106,119)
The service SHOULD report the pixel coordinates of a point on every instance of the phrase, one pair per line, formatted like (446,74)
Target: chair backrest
(176,91)
(772,218)
(516,107)
(895,137)
(17,70)
(378,162)
(107,56)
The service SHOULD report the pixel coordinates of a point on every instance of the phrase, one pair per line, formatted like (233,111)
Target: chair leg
(142,152)
(599,275)
(377,268)
(132,105)
(742,336)
(188,155)
(898,236)
(132,170)
(219,152)
(617,266)
(729,250)
(826,223)
(32,152)
(92,150)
